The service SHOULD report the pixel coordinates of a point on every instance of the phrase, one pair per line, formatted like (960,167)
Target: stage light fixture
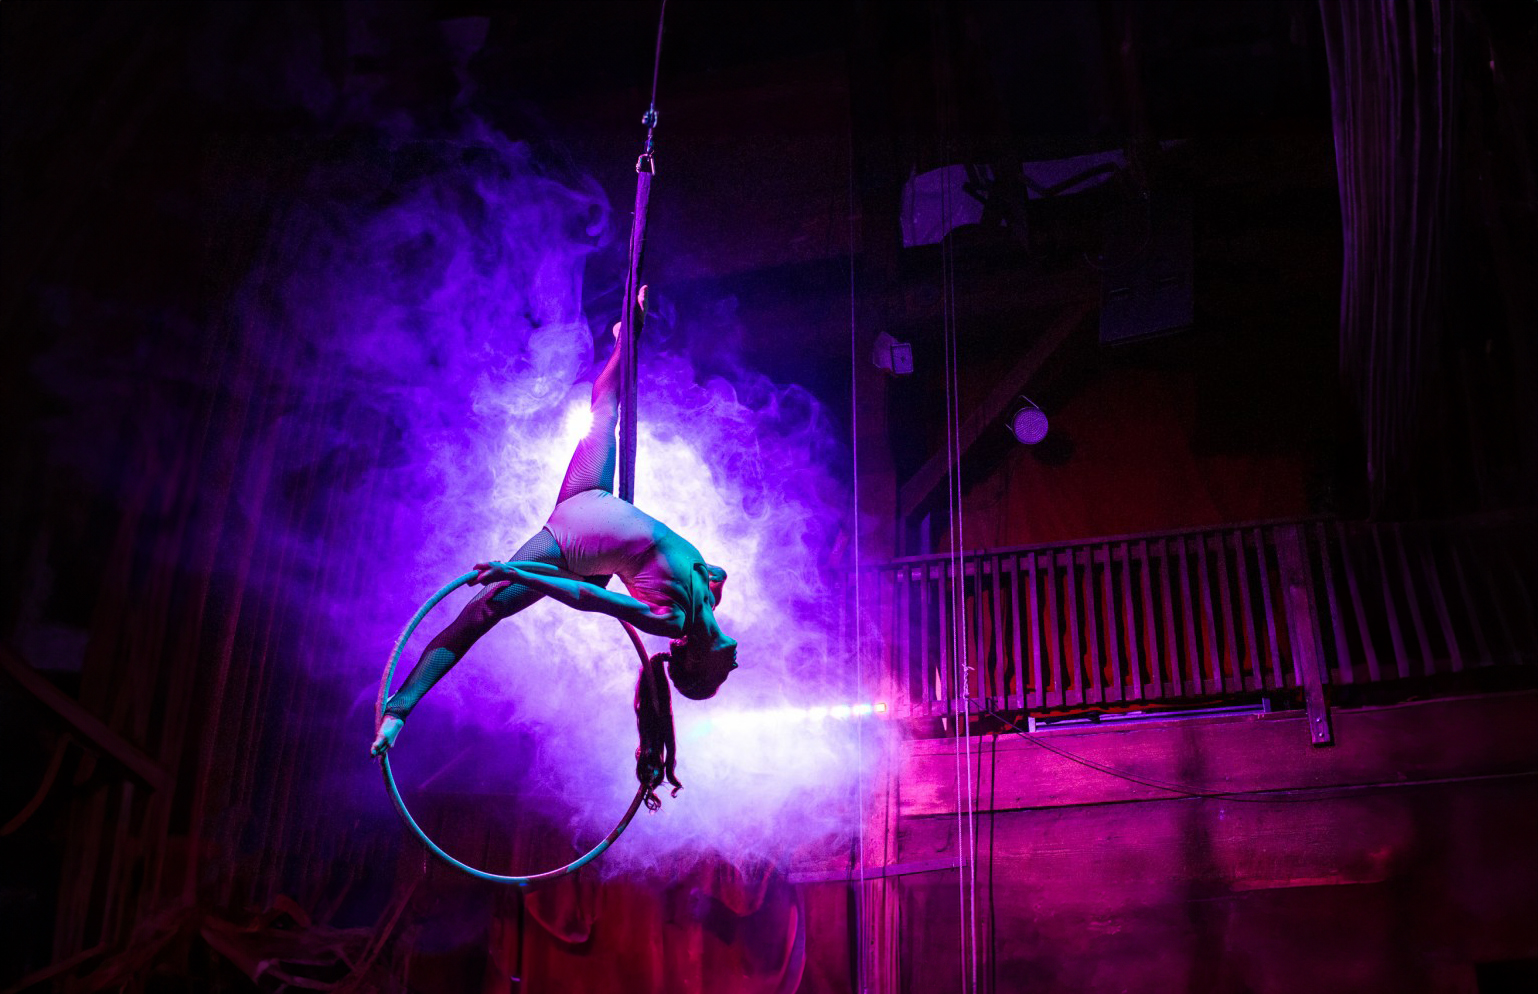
(891,355)
(1028,422)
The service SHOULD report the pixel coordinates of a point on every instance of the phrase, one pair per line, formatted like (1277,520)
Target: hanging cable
(959,676)
(862,966)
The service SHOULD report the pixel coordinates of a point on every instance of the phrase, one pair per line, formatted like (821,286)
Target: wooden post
(1303,629)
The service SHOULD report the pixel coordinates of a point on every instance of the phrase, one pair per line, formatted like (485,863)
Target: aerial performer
(591,534)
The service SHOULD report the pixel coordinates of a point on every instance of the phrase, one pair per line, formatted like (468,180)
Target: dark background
(152,154)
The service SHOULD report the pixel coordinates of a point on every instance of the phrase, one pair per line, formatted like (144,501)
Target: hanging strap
(630,319)
(630,311)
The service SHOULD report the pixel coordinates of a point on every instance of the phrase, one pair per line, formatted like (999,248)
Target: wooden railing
(1179,616)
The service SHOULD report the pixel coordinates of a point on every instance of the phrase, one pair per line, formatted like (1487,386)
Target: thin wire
(963,661)
(650,119)
(862,967)
(966,835)
(949,683)
(657,55)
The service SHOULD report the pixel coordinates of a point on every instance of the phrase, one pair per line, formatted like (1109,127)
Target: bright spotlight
(1028,422)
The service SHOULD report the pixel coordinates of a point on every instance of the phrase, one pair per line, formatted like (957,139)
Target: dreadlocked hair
(654,757)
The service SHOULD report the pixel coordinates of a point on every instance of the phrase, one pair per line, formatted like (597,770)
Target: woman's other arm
(584,596)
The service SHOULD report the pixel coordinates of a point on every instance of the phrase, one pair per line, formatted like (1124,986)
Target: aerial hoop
(400,803)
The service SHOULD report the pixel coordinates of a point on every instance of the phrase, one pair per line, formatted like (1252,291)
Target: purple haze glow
(452,312)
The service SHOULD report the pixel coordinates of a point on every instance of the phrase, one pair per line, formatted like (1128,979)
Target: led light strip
(785,716)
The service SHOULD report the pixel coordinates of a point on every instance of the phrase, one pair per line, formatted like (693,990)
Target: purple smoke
(452,311)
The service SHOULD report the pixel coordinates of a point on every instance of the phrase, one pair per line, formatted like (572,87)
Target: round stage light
(1028,423)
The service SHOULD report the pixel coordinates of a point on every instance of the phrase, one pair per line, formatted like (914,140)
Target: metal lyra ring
(400,803)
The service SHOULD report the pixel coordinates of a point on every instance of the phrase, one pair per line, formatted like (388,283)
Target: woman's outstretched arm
(584,596)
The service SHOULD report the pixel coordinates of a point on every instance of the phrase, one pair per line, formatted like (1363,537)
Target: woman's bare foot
(640,298)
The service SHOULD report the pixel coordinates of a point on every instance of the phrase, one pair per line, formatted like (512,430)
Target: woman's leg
(592,464)
(476,619)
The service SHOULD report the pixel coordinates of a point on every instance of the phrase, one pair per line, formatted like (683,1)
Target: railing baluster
(980,642)
(1171,637)
(1353,587)
(962,663)
(1094,683)
(1267,601)
(1439,601)
(966,653)
(1401,658)
(894,686)
(1115,625)
(1054,640)
(1480,645)
(1250,669)
(1019,698)
(1000,667)
(1074,665)
(1129,624)
(1214,684)
(1233,671)
(1417,624)
(1112,628)
(905,612)
(927,681)
(1343,667)
(945,684)
(974,661)
(1150,626)
(1038,696)
(1193,661)
(886,624)
(1492,597)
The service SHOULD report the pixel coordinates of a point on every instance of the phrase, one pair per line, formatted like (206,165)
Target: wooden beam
(93,729)
(1153,759)
(876,872)
(917,490)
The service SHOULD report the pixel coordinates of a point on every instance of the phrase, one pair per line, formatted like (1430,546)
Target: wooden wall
(1398,859)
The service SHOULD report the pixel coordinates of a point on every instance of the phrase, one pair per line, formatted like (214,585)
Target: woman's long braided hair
(656,754)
